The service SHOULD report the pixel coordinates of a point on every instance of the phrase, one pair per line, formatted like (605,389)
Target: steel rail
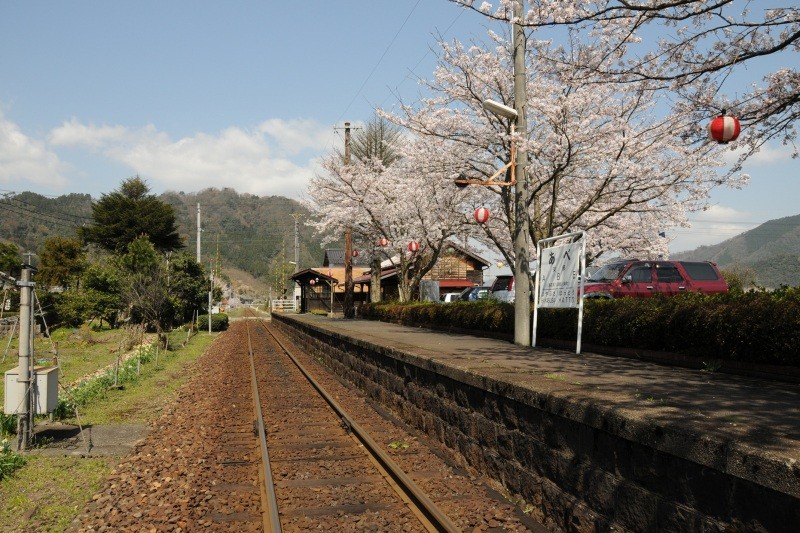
(270,519)
(437,519)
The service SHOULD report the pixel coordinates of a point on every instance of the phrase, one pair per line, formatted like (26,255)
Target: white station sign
(560,268)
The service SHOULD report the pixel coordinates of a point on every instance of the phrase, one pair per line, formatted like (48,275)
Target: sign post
(559,278)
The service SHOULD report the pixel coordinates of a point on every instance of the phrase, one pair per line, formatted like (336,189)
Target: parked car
(503,288)
(449,297)
(642,279)
(474,293)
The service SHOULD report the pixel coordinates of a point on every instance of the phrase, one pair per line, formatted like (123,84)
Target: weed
(556,377)
(85,334)
(651,399)
(712,366)
(43,442)
(398,445)
(9,461)
(96,387)
(8,424)
(732,419)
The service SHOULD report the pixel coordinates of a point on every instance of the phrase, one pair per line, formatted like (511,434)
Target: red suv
(642,279)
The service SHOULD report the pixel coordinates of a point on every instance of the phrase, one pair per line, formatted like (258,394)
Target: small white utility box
(45,390)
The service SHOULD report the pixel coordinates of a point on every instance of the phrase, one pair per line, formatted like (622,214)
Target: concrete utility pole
(522,284)
(349,312)
(24,428)
(296,284)
(198,233)
(210,292)
(296,216)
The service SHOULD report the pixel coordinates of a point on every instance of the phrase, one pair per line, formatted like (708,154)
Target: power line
(38,216)
(374,68)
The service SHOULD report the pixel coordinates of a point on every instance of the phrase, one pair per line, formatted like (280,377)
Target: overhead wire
(380,59)
(383,55)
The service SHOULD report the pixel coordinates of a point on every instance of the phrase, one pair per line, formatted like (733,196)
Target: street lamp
(500,110)
(521,274)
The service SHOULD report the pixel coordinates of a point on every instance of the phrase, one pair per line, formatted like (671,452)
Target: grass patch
(141,400)
(49,492)
(81,351)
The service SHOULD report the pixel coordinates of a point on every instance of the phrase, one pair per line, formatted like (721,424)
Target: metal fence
(285,306)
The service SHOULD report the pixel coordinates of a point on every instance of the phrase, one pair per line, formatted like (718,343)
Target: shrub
(219,322)
(754,326)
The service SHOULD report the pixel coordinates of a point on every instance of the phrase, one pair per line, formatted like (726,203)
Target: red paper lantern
(383,241)
(355,253)
(312,282)
(724,129)
(481,215)
(413,246)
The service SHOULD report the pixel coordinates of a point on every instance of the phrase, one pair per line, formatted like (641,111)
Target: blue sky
(243,94)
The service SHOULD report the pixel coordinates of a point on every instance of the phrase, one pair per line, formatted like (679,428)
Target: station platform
(758,413)
(734,427)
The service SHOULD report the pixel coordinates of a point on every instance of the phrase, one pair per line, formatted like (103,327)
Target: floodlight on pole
(504,111)
(500,109)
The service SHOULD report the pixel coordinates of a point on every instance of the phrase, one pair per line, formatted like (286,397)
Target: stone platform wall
(569,463)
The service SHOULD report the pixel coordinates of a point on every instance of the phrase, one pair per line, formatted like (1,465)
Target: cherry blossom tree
(698,50)
(601,159)
(411,200)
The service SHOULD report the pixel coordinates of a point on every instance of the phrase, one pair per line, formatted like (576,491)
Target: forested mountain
(247,233)
(254,236)
(27,219)
(771,251)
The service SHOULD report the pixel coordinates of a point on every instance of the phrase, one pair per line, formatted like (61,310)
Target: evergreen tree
(10,260)
(122,216)
(144,285)
(61,262)
(377,140)
(188,286)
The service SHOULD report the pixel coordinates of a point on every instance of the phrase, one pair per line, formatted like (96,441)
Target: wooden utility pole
(349,311)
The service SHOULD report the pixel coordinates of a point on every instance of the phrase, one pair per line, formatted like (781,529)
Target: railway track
(328,473)
(322,458)
(339,463)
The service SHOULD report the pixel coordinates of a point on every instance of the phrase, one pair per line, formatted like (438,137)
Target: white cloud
(294,136)
(259,161)
(25,161)
(73,133)
(769,154)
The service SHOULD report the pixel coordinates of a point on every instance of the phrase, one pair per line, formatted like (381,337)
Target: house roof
(466,251)
(367,277)
(455,283)
(392,261)
(326,274)
(335,257)
(304,276)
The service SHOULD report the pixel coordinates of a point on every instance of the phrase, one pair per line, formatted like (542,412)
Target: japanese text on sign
(559,270)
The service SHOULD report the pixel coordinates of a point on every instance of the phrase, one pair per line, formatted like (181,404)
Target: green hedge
(756,327)
(219,322)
